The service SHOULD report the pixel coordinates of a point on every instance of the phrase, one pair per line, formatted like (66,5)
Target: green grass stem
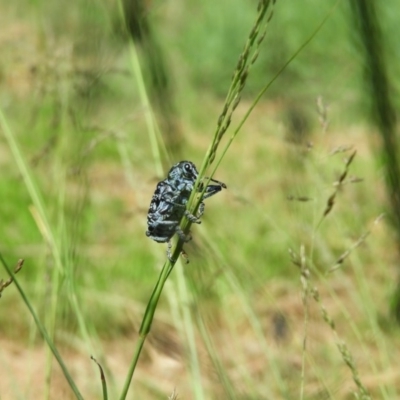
(102,378)
(146,324)
(151,124)
(43,331)
(268,85)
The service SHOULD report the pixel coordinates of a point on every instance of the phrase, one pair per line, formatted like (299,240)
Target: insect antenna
(214,180)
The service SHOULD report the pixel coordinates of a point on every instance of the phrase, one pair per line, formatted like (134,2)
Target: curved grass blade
(43,331)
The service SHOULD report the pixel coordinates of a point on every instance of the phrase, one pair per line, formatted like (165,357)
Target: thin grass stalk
(126,162)
(232,100)
(236,286)
(102,378)
(44,225)
(43,331)
(68,264)
(156,144)
(149,314)
(71,284)
(51,318)
(190,335)
(368,304)
(222,375)
(246,59)
(240,75)
(268,85)
(40,216)
(347,357)
(259,331)
(51,315)
(195,199)
(253,320)
(146,323)
(70,233)
(151,124)
(9,281)
(305,296)
(355,329)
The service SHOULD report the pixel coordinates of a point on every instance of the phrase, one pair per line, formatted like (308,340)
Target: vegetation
(292,271)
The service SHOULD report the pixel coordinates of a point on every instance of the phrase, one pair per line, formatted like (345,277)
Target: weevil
(168,204)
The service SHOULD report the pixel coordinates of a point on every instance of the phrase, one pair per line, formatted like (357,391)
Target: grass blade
(43,331)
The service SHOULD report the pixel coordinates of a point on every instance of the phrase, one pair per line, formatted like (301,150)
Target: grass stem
(43,331)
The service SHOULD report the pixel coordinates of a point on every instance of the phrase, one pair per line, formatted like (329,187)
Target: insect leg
(222,184)
(211,190)
(201,210)
(191,217)
(182,236)
(185,256)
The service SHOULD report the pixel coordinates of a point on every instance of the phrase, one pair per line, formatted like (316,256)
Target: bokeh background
(101,98)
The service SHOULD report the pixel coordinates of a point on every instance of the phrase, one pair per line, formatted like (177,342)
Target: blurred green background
(95,94)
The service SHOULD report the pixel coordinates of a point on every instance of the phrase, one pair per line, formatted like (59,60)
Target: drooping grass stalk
(40,216)
(102,378)
(246,59)
(9,281)
(347,357)
(338,184)
(268,85)
(42,330)
(240,75)
(340,260)
(305,296)
(343,348)
(368,304)
(55,241)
